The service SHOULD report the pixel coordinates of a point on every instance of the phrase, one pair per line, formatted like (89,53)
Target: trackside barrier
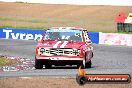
(94,36)
(32,34)
(23,34)
(115,39)
(97,38)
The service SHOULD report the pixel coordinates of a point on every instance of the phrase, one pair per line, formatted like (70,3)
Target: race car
(62,46)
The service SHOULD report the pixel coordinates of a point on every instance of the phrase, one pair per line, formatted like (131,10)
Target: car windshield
(65,35)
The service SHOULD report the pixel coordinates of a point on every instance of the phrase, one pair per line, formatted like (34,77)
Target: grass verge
(24,27)
(5,61)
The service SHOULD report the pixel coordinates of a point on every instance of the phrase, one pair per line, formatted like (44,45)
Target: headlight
(42,50)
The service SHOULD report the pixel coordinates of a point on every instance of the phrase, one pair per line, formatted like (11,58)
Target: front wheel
(38,65)
(48,66)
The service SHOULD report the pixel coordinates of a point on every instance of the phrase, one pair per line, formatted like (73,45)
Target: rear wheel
(78,65)
(92,54)
(81,64)
(38,65)
(88,64)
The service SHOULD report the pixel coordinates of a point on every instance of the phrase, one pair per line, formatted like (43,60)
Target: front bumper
(59,58)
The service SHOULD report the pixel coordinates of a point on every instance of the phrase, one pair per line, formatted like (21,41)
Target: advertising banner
(115,39)
(23,34)
(33,34)
(94,36)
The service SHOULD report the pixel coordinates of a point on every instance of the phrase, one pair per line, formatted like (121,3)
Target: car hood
(62,44)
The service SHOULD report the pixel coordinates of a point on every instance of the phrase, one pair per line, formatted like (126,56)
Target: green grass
(32,20)
(5,61)
(41,24)
(24,27)
(102,30)
(20,2)
(121,32)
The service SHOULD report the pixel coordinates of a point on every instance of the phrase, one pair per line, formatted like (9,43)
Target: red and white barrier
(115,39)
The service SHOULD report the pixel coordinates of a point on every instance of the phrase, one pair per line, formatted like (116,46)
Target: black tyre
(88,64)
(38,65)
(81,64)
(81,80)
(78,66)
(48,66)
(92,54)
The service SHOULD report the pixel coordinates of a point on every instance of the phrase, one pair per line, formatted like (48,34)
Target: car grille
(59,52)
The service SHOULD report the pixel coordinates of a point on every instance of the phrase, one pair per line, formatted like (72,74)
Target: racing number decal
(55,46)
(62,46)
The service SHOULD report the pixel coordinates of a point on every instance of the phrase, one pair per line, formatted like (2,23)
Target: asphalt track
(107,60)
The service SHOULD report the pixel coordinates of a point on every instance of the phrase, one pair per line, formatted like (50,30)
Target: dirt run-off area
(51,82)
(94,18)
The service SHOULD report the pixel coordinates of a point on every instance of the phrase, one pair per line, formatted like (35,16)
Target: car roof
(70,28)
